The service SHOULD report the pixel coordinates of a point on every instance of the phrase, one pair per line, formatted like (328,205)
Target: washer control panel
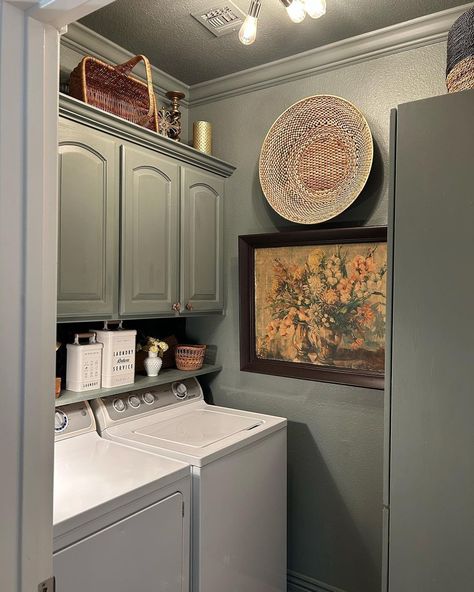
(180,390)
(72,420)
(132,404)
(61,421)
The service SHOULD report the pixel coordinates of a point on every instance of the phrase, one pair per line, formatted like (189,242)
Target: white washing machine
(121,515)
(239,479)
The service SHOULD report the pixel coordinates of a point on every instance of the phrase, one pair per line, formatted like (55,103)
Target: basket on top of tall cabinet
(113,89)
(460,62)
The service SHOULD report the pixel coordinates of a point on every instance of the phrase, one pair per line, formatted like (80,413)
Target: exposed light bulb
(248,30)
(296,11)
(315,8)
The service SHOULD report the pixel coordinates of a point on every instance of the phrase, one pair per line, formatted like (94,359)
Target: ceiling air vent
(221,20)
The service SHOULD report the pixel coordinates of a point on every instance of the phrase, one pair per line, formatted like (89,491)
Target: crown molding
(300,583)
(80,41)
(418,32)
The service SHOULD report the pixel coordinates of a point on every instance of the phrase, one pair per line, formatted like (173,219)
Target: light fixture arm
(296,9)
(254,8)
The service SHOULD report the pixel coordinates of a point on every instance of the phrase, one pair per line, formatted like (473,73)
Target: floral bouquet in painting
(324,305)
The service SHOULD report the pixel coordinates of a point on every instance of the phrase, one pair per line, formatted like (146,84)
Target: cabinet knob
(189,306)
(176,306)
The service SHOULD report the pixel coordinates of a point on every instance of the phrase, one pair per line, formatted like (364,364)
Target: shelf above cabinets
(141,382)
(120,128)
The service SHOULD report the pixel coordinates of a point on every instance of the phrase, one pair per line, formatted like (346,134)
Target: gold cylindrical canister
(202,136)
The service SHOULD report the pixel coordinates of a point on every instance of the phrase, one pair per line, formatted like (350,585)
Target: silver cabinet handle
(189,306)
(176,306)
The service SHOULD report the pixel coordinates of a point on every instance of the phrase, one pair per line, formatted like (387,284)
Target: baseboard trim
(300,583)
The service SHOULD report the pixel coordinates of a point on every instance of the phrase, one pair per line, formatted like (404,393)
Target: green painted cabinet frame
(141,221)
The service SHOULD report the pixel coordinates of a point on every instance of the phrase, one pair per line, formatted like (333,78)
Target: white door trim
(29,52)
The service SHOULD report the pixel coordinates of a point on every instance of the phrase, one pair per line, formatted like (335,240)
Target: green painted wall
(335,432)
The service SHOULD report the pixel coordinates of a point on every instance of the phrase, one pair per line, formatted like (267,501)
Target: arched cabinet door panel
(202,197)
(150,233)
(88,218)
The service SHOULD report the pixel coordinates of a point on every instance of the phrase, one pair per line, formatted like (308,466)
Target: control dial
(180,390)
(148,398)
(119,405)
(134,401)
(61,421)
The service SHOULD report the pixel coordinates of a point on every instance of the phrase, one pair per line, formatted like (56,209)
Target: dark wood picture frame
(249,362)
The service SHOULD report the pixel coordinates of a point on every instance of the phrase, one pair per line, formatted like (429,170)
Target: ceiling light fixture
(315,8)
(296,9)
(248,30)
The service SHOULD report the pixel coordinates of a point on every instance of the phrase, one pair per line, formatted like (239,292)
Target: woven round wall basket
(316,159)
(460,61)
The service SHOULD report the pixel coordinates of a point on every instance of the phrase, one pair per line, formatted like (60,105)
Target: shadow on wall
(356,215)
(311,485)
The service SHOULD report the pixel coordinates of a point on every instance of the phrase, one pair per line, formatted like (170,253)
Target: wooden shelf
(141,382)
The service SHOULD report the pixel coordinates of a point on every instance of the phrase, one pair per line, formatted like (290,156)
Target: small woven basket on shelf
(460,59)
(112,89)
(190,357)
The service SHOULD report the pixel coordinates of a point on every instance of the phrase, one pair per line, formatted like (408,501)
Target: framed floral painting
(313,303)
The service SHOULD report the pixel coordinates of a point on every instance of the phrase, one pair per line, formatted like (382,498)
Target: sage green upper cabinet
(88,222)
(140,226)
(201,241)
(150,233)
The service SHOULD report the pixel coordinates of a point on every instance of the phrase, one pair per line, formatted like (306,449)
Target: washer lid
(198,428)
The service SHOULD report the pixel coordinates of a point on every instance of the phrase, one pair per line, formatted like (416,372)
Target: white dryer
(239,479)
(121,515)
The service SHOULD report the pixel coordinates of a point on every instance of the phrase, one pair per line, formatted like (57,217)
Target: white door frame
(29,66)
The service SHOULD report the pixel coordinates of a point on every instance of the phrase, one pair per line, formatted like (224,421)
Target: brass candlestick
(174,130)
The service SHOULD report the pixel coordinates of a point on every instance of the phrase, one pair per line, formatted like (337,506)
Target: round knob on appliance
(148,398)
(134,401)
(180,390)
(61,421)
(119,405)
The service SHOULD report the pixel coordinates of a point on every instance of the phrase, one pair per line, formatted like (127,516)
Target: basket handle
(127,67)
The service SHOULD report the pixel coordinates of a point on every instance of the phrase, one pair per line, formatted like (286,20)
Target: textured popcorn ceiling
(165,32)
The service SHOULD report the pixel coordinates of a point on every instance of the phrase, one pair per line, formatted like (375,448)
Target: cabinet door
(88,218)
(201,242)
(150,239)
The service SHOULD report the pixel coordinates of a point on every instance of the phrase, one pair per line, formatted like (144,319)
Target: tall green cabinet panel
(202,196)
(150,233)
(429,465)
(88,222)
